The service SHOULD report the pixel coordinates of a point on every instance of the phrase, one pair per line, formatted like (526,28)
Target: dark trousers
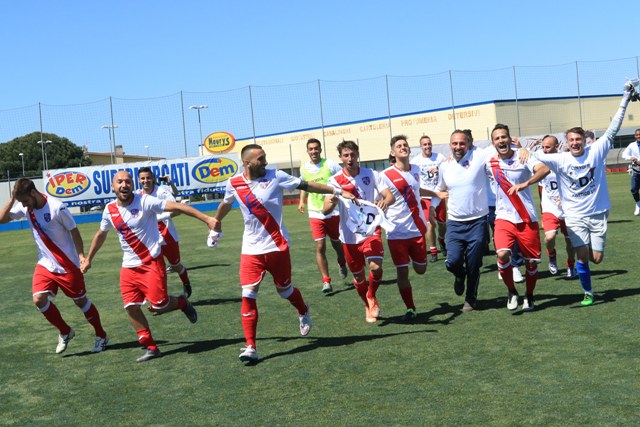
(465,247)
(635,186)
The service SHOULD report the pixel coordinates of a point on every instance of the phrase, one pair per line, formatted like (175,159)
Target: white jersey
(550,201)
(466,182)
(363,218)
(365,186)
(519,207)
(582,180)
(163,192)
(632,150)
(260,202)
(428,170)
(56,222)
(409,223)
(140,217)
(314,169)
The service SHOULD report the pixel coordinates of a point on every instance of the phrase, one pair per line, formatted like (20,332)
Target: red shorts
(405,250)
(171,249)
(426,207)
(44,281)
(357,254)
(440,210)
(147,282)
(253,267)
(320,228)
(550,222)
(527,235)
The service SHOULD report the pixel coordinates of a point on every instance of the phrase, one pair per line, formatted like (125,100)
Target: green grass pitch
(561,364)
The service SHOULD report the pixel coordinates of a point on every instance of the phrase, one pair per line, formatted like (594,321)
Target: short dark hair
(589,134)
(468,133)
(23,187)
(398,138)
(314,141)
(577,130)
(249,147)
(423,137)
(499,126)
(145,169)
(349,145)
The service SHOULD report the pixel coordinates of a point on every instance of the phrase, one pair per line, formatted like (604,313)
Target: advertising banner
(87,186)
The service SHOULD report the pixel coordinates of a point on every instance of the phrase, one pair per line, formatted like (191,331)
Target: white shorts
(587,230)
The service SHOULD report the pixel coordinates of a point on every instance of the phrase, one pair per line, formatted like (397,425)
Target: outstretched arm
(189,211)
(223,209)
(540,170)
(315,187)
(96,244)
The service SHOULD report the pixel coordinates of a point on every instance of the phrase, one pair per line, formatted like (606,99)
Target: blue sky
(67,52)
(77,52)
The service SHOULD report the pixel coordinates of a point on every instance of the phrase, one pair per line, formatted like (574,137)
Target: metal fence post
(579,99)
(253,121)
(184,126)
(515,87)
(324,145)
(453,104)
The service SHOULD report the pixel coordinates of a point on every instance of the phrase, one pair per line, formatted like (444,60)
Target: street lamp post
(22,158)
(45,160)
(112,147)
(198,108)
(147,148)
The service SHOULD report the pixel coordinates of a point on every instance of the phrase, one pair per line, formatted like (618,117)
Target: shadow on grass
(113,347)
(426,318)
(327,342)
(216,301)
(619,221)
(198,267)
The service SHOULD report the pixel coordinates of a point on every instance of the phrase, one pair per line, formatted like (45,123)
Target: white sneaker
(527,304)
(326,288)
(63,341)
(249,354)
(100,345)
(170,269)
(637,211)
(512,301)
(553,268)
(305,323)
(571,272)
(517,276)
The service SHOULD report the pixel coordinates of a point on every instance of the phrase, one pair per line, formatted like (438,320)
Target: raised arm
(5,212)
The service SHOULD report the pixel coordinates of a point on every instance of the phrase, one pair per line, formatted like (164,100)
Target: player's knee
(504,257)
(420,268)
(40,300)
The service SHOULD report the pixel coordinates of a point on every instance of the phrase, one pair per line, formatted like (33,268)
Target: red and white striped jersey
(515,208)
(406,212)
(260,202)
(139,235)
(55,221)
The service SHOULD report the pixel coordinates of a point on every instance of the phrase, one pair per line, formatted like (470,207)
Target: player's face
(122,185)
(426,146)
(29,201)
(502,142)
(575,141)
(147,181)
(458,145)
(349,158)
(256,163)
(401,149)
(314,150)
(549,145)
(637,136)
